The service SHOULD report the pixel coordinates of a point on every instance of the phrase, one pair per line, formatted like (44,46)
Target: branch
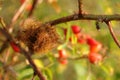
(102,18)
(20,10)
(112,33)
(33,7)
(74,17)
(18,13)
(4,46)
(80,6)
(14,19)
(2,22)
(25,53)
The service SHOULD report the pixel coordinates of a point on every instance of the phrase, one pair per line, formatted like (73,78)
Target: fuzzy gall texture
(39,37)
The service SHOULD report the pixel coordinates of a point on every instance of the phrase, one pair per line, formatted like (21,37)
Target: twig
(33,76)
(33,7)
(103,18)
(9,38)
(25,53)
(73,58)
(4,46)
(19,12)
(74,17)
(14,19)
(112,33)
(80,6)
(17,15)
(2,22)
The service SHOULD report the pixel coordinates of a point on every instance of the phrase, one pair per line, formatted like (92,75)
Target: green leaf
(25,73)
(107,69)
(81,71)
(48,74)
(68,33)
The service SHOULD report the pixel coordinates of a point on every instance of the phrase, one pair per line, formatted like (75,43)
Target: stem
(17,15)
(19,12)
(33,7)
(25,53)
(112,33)
(4,46)
(74,17)
(80,6)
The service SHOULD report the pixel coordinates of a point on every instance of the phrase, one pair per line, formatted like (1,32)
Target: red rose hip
(15,47)
(62,57)
(64,62)
(94,58)
(94,45)
(62,54)
(96,48)
(91,41)
(76,29)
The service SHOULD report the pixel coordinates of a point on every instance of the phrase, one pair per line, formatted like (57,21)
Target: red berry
(81,38)
(15,47)
(62,57)
(91,41)
(78,35)
(81,41)
(94,45)
(62,54)
(75,29)
(95,58)
(95,48)
(22,1)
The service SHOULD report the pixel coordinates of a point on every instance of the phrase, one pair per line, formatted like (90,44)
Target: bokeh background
(16,67)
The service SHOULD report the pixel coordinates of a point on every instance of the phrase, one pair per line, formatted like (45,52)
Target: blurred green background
(75,69)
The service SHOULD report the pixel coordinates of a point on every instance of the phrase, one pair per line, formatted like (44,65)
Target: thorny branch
(4,46)
(103,18)
(13,21)
(25,53)
(9,37)
(74,17)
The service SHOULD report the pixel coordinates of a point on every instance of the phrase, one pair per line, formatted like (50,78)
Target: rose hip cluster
(94,46)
